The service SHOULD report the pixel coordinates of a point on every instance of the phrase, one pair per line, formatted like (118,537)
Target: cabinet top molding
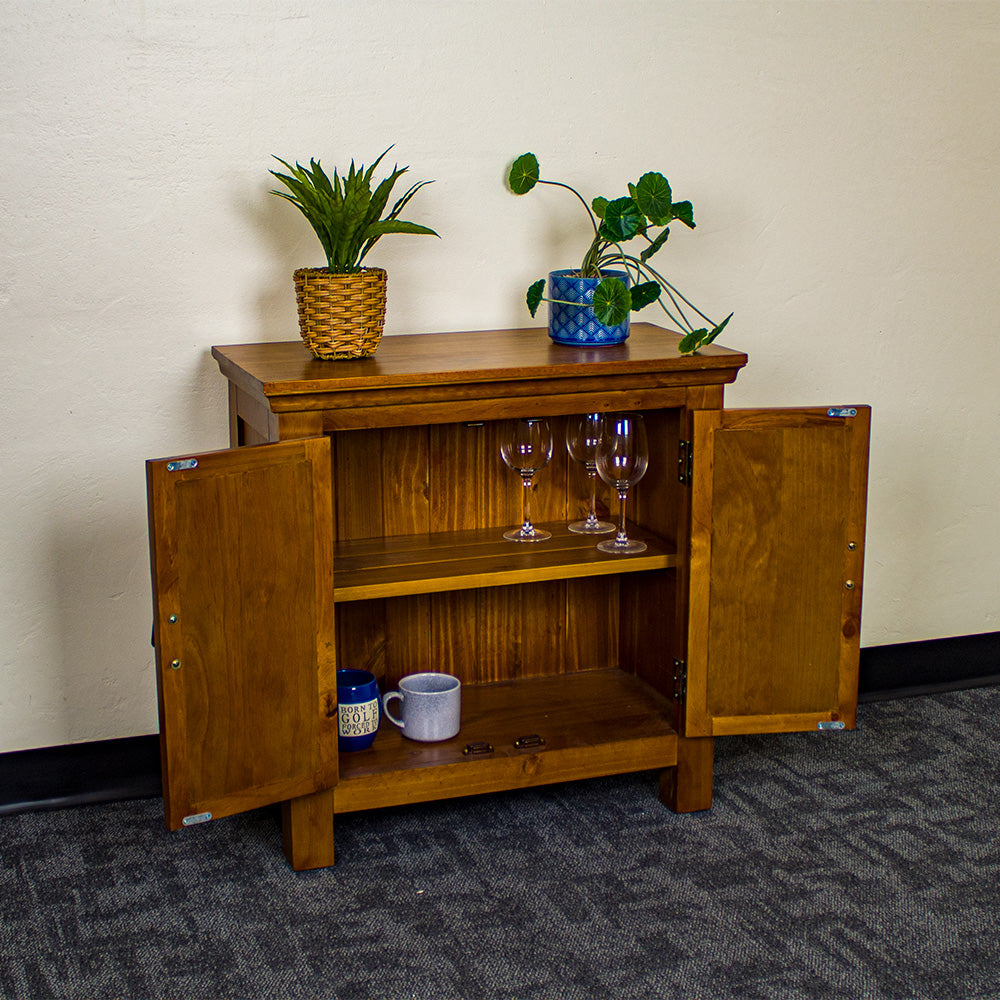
(284,370)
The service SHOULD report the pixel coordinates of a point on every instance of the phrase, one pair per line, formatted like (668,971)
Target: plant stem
(583,201)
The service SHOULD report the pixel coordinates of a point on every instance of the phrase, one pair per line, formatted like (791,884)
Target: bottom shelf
(594,723)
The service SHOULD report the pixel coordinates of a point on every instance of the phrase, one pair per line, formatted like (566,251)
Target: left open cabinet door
(241,546)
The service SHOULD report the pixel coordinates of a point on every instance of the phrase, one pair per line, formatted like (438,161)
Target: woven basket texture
(341,316)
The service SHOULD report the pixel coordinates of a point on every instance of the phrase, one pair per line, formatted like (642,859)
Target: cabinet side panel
(656,500)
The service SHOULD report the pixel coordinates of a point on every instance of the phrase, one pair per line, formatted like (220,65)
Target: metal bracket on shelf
(534,740)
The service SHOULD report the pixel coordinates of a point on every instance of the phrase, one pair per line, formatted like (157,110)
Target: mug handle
(385,707)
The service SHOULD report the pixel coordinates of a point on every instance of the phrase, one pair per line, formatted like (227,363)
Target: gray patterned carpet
(833,865)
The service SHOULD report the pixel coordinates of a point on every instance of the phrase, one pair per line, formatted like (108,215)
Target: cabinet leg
(688,786)
(307,831)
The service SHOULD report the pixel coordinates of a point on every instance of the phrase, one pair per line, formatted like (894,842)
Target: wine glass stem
(622,536)
(592,474)
(526,527)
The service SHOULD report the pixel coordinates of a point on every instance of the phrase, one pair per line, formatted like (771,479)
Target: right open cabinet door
(777,549)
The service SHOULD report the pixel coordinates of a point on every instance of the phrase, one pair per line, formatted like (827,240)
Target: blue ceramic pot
(359,709)
(576,325)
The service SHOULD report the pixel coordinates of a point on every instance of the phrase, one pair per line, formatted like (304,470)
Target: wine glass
(526,447)
(583,433)
(622,457)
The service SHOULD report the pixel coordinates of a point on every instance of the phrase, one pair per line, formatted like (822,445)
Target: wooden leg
(688,786)
(307,831)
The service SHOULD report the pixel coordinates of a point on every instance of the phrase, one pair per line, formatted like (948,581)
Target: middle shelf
(462,560)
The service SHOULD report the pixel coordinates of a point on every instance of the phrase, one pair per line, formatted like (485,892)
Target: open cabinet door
(241,545)
(777,547)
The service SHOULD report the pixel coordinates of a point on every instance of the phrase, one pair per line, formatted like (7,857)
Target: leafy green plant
(344,212)
(648,206)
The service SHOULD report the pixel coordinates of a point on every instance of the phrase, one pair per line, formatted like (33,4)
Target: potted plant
(342,306)
(590,305)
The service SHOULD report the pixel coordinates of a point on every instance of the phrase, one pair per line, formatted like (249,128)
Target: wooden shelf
(594,723)
(462,560)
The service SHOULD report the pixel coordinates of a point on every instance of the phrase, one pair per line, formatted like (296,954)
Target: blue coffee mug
(358,709)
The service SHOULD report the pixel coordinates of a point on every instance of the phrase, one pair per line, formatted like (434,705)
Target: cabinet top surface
(287,368)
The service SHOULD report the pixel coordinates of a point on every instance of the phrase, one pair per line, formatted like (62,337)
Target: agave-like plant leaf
(343,211)
(622,220)
(654,198)
(523,174)
(644,293)
(612,301)
(397,208)
(397,226)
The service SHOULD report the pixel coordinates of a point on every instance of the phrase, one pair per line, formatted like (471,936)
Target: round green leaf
(612,302)
(691,342)
(534,296)
(684,211)
(654,198)
(643,294)
(523,174)
(622,220)
(599,204)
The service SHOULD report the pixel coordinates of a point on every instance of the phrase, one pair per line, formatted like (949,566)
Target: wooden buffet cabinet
(366,532)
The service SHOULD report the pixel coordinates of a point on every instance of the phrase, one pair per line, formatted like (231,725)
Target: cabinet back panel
(490,634)
(446,477)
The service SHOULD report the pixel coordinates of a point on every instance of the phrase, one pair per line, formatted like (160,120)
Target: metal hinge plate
(680,679)
(829,725)
(684,461)
(196,818)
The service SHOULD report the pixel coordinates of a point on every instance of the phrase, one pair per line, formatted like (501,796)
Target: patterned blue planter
(576,325)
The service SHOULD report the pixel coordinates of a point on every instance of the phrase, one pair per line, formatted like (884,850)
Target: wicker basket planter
(341,316)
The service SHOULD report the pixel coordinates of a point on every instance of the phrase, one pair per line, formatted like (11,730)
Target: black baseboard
(912,668)
(111,770)
(80,774)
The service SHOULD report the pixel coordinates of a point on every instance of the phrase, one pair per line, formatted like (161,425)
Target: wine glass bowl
(583,435)
(526,447)
(622,458)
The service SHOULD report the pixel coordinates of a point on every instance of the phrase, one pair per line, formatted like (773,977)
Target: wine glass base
(520,535)
(590,527)
(626,548)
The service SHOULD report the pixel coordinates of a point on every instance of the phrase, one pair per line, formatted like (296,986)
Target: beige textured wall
(842,159)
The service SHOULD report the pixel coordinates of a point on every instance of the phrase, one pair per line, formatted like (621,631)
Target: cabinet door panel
(777,543)
(242,558)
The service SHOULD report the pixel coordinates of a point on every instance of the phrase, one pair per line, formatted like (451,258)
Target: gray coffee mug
(430,706)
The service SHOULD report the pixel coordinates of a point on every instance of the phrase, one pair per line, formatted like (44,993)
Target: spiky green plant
(648,205)
(344,212)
